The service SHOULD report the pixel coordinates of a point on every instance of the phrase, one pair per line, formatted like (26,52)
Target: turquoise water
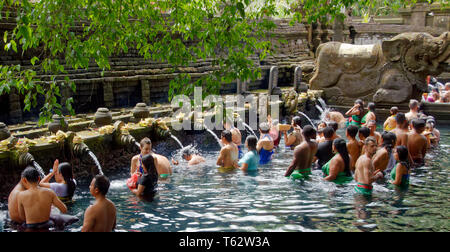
(203,199)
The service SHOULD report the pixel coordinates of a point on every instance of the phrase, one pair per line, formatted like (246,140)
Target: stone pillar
(419,14)
(15,109)
(273,79)
(145,89)
(108,95)
(241,86)
(297,78)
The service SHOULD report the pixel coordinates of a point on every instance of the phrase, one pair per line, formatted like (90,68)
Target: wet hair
(297,121)
(389,140)
(364,131)
(30,174)
(264,127)
(102,184)
(394,110)
(402,152)
(418,123)
(187,152)
(145,141)
(413,104)
(252,141)
(333,125)
(341,147)
(149,163)
(227,135)
(371,106)
(309,131)
(66,171)
(370,139)
(400,118)
(361,106)
(352,130)
(328,132)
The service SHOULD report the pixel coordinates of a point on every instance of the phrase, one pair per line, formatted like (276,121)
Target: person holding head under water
(192,158)
(265,144)
(300,168)
(35,202)
(400,175)
(250,160)
(101,216)
(229,152)
(65,184)
(337,169)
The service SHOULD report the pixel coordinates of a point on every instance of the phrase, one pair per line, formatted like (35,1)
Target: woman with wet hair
(148,182)
(64,185)
(400,175)
(337,169)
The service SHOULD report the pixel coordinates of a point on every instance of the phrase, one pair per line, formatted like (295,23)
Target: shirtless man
(229,152)
(265,144)
(193,159)
(384,159)
(303,155)
(353,146)
(13,205)
(236,137)
(363,133)
(295,137)
(101,216)
(401,130)
(372,125)
(162,163)
(417,143)
(35,202)
(413,110)
(364,171)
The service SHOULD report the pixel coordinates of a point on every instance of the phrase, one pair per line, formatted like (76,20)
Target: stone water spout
(20,157)
(78,147)
(121,136)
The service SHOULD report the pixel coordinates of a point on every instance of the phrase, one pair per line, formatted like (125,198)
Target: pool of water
(203,199)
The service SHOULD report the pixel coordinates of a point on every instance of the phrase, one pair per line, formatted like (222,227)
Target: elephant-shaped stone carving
(392,71)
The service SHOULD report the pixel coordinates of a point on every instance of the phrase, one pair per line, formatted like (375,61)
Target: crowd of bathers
(363,155)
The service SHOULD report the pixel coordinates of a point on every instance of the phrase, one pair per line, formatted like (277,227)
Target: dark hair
(144,141)
(187,152)
(309,131)
(400,118)
(389,140)
(341,147)
(361,106)
(418,123)
(371,106)
(370,139)
(333,125)
(66,171)
(328,132)
(252,141)
(264,127)
(394,110)
(413,103)
(352,130)
(402,152)
(297,121)
(149,163)
(364,131)
(30,174)
(102,184)
(227,135)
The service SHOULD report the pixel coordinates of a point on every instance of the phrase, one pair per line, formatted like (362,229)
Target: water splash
(312,124)
(248,127)
(215,136)
(320,109)
(177,140)
(322,103)
(96,162)
(137,144)
(38,168)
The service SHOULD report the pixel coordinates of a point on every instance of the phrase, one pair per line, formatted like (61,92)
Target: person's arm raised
(45,181)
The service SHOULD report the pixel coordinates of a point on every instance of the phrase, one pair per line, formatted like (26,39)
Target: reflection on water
(204,199)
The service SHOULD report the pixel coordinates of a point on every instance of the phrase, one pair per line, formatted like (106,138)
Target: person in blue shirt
(250,160)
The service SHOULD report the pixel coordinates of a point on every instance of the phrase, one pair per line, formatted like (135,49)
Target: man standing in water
(303,155)
(35,202)
(236,137)
(229,152)
(372,125)
(401,130)
(413,110)
(101,216)
(364,174)
(162,163)
(353,146)
(417,143)
(13,205)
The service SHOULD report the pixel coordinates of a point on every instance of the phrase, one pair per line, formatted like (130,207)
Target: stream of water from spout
(137,144)
(177,140)
(312,124)
(322,103)
(319,108)
(248,127)
(99,167)
(215,136)
(38,168)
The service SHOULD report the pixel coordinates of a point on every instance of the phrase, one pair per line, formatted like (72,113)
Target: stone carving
(102,117)
(391,72)
(273,79)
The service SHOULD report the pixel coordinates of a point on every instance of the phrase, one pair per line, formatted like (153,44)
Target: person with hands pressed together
(65,184)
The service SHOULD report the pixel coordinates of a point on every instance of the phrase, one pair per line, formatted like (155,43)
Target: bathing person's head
(363,133)
(146,145)
(413,105)
(333,125)
(297,121)
(65,173)
(401,153)
(226,136)
(187,154)
(321,125)
(340,146)
(328,132)
(99,185)
(371,106)
(372,125)
(352,131)
(371,145)
(264,128)
(394,110)
(389,139)
(30,176)
(401,120)
(418,125)
(251,142)
(309,132)
(431,123)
